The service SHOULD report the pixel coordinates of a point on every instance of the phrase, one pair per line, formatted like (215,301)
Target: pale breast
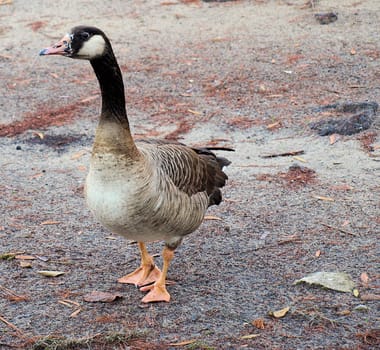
(139,203)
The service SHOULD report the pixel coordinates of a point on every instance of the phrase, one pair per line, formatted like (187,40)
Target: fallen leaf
(364,278)
(345,312)
(370,297)
(102,297)
(322,198)
(258,323)
(338,281)
(8,256)
(279,313)
(355,292)
(43,258)
(183,343)
(39,134)
(25,264)
(25,257)
(334,138)
(50,273)
(250,336)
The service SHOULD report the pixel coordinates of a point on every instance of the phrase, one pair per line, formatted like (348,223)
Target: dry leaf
(50,273)
(258,323)
(8,256)
(345,312)
(39,134)
(370,297)
(250,336)
(25,257)
(338,281)
(322,198)
(25,264)
(279,313)
(364,278)
(102,297)
(334,138)
(183,343)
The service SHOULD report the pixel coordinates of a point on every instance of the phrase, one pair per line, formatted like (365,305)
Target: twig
(11,325)
(290,240)
(254,166)
(12,294)
(285,154)
(340,229)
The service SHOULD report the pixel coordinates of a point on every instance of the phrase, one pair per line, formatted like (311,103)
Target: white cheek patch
(92,48)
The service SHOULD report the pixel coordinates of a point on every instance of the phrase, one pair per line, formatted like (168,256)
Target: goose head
(81,42)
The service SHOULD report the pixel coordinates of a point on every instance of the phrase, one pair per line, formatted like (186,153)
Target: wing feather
(191,170)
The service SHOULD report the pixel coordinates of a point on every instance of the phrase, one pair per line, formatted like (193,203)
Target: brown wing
(192,170)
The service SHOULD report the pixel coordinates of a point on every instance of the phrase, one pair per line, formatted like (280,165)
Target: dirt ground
(251,75)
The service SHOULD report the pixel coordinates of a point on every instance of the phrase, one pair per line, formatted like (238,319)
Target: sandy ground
(244,74)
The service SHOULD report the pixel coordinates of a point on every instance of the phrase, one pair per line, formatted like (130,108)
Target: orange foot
(142,276)
(157,292)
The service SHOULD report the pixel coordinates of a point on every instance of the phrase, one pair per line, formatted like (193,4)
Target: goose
(145,190)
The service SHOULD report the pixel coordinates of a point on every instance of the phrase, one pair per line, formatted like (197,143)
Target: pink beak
(62,47)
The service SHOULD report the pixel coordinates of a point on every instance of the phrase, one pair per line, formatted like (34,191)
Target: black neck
(111,85)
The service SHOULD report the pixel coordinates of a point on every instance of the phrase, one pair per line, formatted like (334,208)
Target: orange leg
(157,291)
(146,273)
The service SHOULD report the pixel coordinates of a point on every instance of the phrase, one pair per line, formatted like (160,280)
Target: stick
(11,325)
(285,154)
(340,229)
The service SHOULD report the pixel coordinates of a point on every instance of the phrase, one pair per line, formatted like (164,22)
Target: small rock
(326,18)
(18,148)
